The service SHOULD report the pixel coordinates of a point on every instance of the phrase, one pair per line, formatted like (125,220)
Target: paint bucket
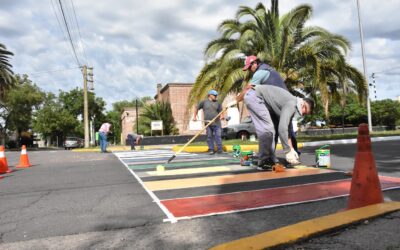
(246,158)
(323,157)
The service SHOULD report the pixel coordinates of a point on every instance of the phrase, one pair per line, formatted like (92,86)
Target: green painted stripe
(186,164)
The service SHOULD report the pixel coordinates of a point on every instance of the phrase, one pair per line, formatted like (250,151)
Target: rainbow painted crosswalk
(196,185)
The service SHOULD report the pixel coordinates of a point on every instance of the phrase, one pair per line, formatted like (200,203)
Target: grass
(308,138)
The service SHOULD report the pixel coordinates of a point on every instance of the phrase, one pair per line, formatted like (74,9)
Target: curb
(305,229)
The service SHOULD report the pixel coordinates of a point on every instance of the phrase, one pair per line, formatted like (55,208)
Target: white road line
(171,217)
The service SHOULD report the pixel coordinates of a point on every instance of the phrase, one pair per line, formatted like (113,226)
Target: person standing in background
(103,131)
(211,108)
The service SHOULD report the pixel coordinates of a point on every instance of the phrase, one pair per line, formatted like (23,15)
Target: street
(72,200)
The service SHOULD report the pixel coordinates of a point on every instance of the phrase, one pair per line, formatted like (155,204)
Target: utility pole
(85,107)
(137,118)
(364,66)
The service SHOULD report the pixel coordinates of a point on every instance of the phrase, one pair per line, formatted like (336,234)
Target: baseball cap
(248,62)
(213,92)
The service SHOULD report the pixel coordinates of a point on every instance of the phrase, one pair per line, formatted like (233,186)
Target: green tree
(6,74)
(385,113)
(155,112)
(73,101)
(53,120)
(353,113)
(311,60)
(19,104)
(114,116)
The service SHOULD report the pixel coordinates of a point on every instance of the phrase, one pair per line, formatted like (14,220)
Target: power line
(59,23)
(69,33)
(50,71)
(79,31)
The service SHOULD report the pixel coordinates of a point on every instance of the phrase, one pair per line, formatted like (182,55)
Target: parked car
(73,142)
(237,131)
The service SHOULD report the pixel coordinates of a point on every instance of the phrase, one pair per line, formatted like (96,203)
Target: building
(128,120)
(177,95)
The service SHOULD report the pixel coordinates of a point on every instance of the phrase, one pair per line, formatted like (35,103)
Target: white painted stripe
(171,218)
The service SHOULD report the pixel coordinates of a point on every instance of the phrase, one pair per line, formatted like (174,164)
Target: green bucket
(323,157)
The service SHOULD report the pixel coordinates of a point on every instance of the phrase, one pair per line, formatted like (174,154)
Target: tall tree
(155,112)
(53,120)
(6,74)
(19,105)
(311,60)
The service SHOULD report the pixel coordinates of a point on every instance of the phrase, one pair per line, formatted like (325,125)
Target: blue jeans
(214,135)
(103,141)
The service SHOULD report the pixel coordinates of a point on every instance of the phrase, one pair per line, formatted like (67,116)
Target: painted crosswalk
(196,185)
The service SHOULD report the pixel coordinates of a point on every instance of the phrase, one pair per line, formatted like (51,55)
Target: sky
(133,45)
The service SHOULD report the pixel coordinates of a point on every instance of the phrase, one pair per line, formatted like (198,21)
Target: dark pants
(214,135)
(131,142)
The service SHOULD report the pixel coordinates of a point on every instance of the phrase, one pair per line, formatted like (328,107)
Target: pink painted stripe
(214,204)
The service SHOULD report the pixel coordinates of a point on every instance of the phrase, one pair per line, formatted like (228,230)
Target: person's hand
(292,157)
(195,118)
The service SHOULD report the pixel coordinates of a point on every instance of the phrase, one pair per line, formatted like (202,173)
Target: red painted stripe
(212,204)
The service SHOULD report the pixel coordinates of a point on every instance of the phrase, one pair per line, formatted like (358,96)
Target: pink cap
(248,62)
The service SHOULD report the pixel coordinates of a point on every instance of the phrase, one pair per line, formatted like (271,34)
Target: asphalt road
(70,200)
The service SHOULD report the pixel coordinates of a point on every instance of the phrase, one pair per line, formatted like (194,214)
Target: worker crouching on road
(261,112)
(134,139)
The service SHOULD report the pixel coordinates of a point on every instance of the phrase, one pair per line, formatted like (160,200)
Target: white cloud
(133,45)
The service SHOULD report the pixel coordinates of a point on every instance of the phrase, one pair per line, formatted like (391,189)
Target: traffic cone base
(24,160)
(365,185)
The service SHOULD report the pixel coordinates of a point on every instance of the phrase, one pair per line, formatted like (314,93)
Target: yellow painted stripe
(229,179)
(306,229)
(188,171)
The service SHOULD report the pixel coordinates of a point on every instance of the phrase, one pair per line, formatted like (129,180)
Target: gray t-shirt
(211,110)
(284,105)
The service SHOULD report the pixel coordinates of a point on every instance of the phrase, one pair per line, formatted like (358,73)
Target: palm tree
(159,111)
(310,59)
(6,74)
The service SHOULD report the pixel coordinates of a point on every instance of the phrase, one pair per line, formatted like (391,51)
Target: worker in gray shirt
(211,108)
(285,106)
(263,75)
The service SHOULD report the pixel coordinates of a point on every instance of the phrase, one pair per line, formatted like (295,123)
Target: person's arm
(196,109)
(286,116)
(240,97)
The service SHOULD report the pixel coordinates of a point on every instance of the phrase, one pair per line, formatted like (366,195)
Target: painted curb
(309,228)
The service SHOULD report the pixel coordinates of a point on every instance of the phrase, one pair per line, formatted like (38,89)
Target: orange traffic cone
(365,185)
(3,162)
(23,160)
